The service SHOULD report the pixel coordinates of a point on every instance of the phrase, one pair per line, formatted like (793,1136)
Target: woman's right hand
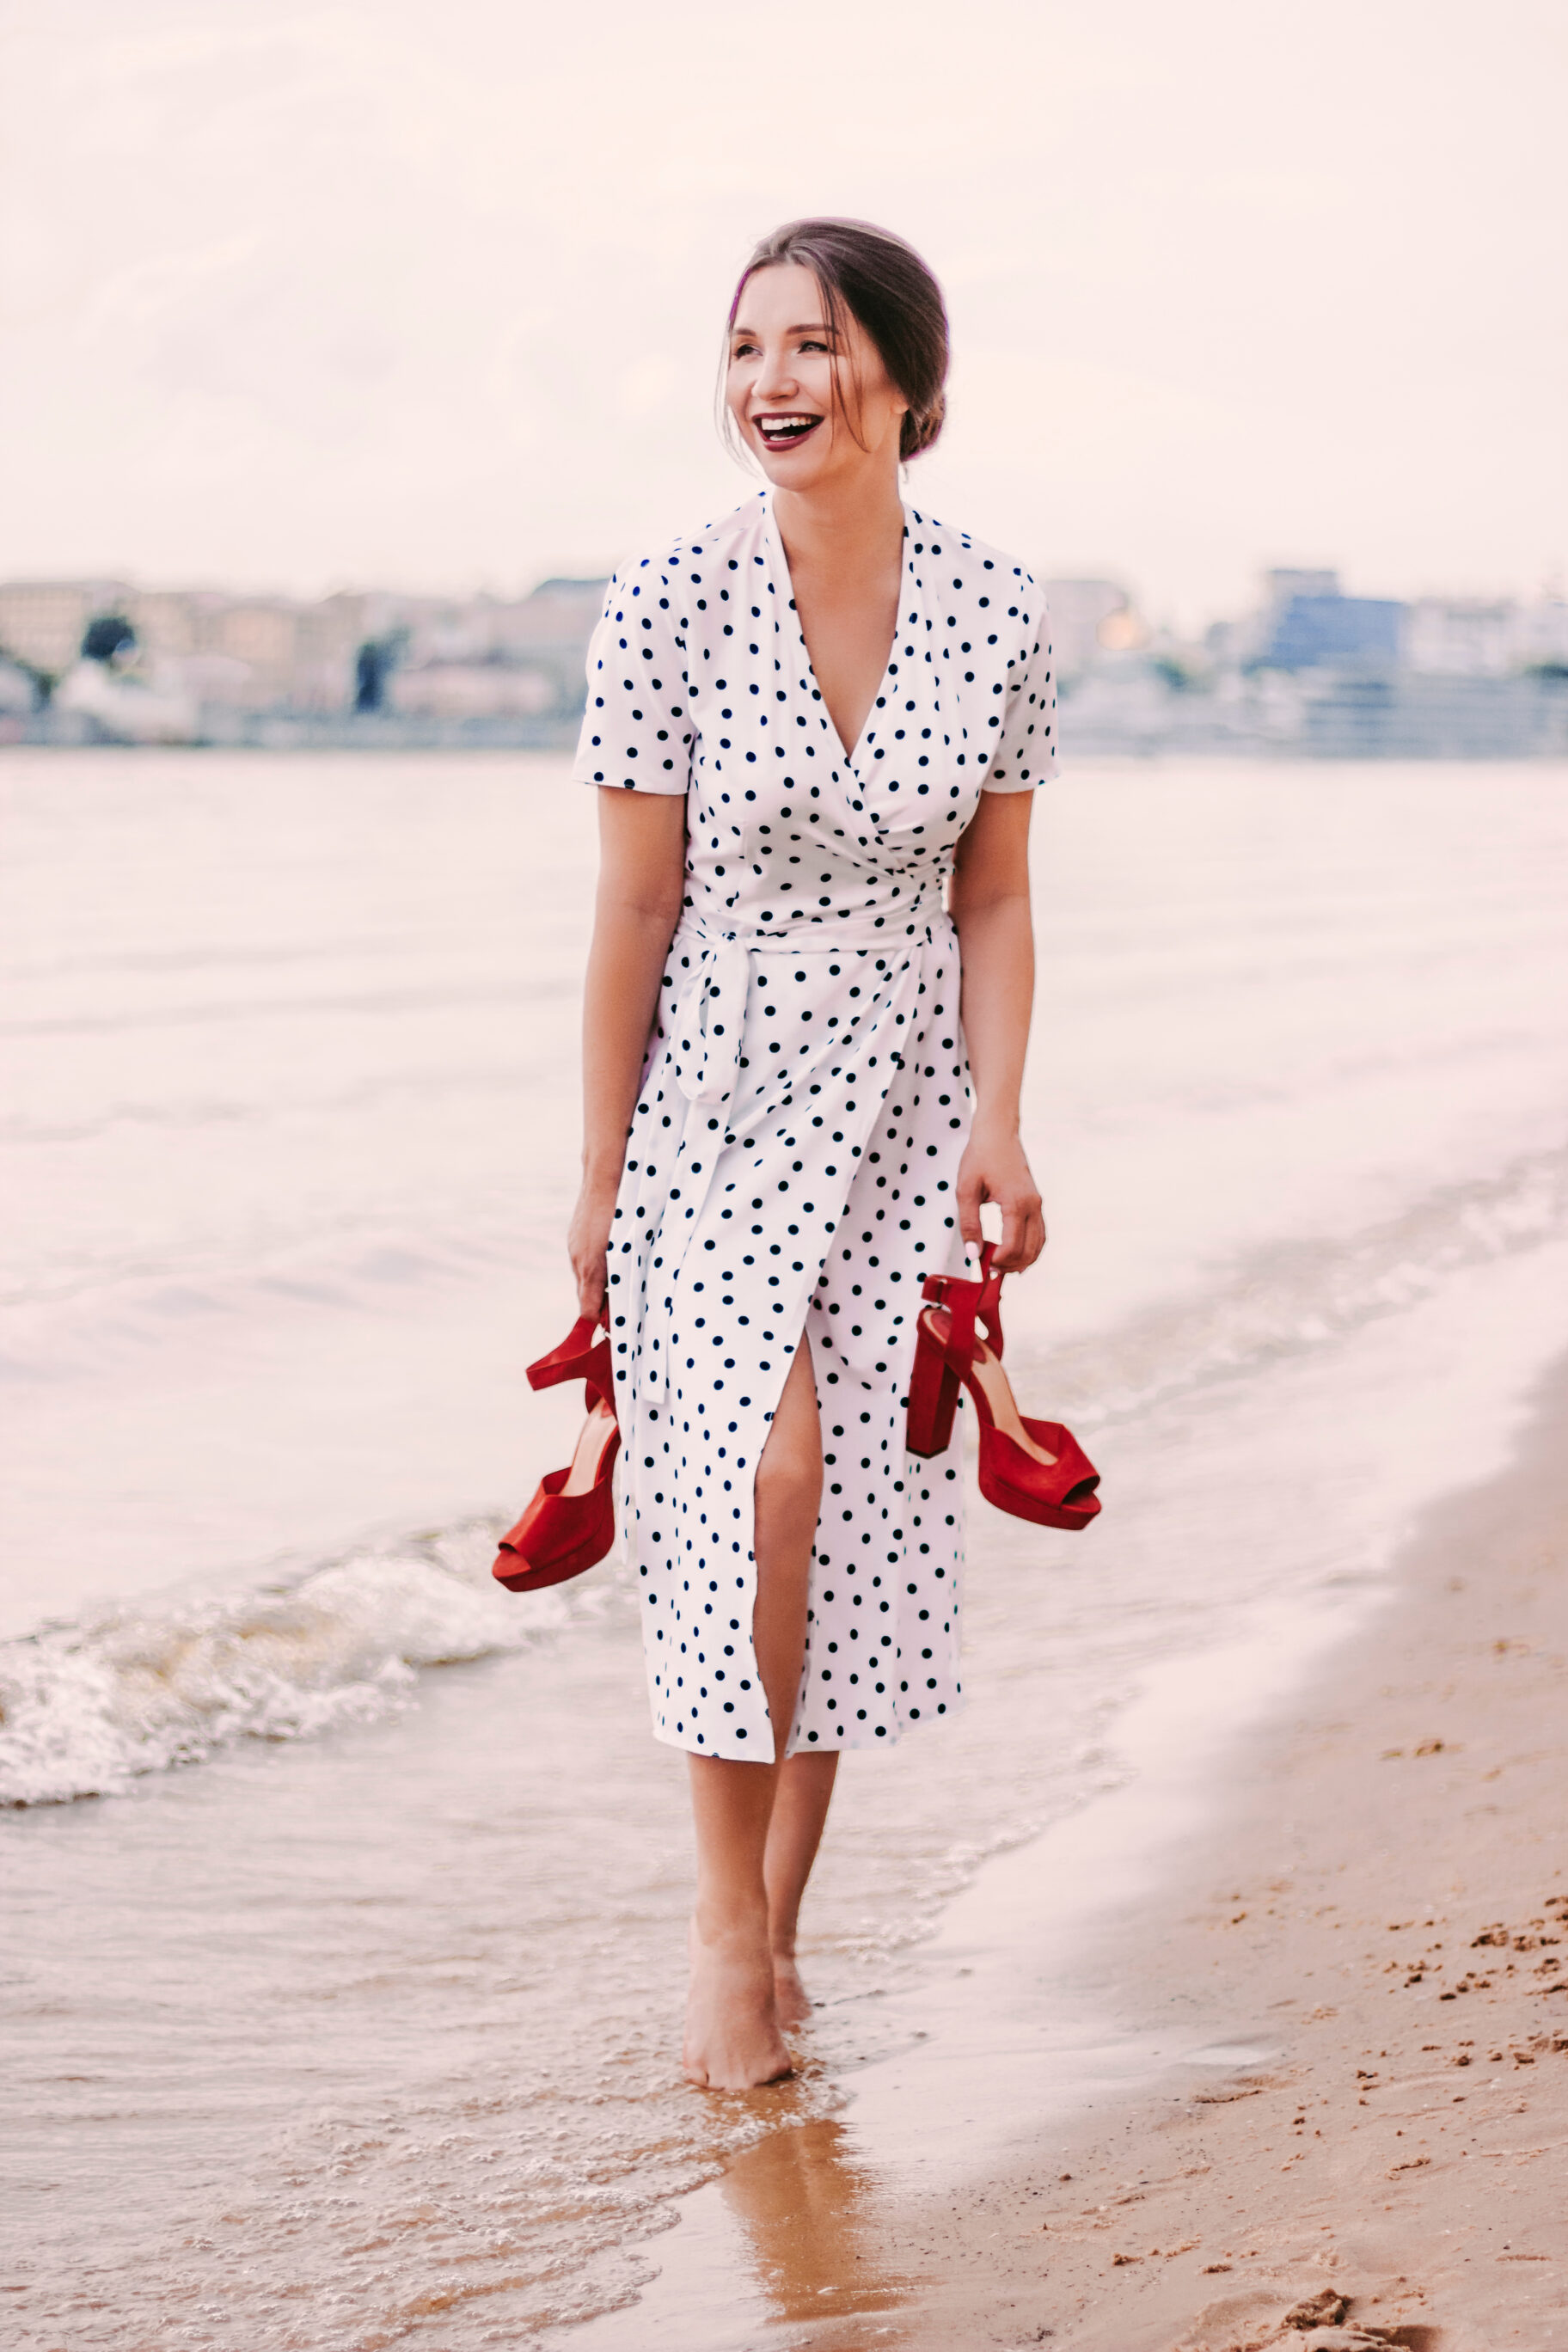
(588,1242)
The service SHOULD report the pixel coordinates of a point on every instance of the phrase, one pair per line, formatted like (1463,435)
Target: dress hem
(865,1739)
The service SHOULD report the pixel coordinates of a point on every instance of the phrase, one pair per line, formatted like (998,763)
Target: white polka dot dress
(805,1098)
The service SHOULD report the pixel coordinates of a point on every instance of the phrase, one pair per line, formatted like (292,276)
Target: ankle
(729,1919)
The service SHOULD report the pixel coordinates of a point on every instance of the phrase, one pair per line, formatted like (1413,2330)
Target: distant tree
(1177,676)
(105,636)
(373,665)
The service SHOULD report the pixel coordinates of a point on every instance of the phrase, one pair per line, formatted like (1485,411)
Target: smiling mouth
(786,431)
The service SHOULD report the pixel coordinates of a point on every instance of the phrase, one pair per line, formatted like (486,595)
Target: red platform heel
(571,1522)
(1032,1469)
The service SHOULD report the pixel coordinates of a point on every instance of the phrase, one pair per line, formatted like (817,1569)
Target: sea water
(345,1892)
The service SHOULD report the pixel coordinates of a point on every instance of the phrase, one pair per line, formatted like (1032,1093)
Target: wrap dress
(792,1159)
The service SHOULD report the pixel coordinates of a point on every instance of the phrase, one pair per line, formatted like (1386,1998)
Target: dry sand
(1384,1908)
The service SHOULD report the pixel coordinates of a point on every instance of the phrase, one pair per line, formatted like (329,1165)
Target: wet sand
(1382,1910)
(1304,2083)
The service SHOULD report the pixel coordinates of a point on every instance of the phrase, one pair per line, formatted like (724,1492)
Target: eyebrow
(819,328)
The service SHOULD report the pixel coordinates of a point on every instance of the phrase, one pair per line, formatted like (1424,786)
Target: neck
(857,517)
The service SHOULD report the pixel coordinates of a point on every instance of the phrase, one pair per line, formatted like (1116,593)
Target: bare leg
(789,1503)
(800,1812)
(732,2037)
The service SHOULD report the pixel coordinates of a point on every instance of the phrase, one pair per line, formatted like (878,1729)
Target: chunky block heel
(933,1397)
(583,1355)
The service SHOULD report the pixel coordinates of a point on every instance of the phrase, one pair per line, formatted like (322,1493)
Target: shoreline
(1310,2051)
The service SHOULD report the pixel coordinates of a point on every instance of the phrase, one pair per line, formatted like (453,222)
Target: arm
(990,907)
(642,871)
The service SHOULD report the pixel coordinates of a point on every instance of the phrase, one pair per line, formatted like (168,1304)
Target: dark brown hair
(885,286)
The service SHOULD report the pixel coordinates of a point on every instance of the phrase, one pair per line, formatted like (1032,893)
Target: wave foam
(88,1707)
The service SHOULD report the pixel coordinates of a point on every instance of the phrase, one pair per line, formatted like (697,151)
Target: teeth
(787,424)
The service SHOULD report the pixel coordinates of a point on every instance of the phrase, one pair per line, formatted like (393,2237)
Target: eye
(744,351)
(808,343)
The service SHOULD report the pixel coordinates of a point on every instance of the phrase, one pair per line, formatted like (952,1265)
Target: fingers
(587,1248)
(590,1268)
(969,1197)
(591,1287)
(995,1168)
(1033,1238)
(1023,1233)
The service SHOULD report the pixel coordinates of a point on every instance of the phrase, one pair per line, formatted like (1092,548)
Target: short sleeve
(1025,752)
(636,727)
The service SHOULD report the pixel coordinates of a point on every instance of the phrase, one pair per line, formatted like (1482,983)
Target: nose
(776,380)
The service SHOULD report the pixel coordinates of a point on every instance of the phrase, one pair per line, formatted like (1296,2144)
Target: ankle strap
(959,1300)
(969,1303)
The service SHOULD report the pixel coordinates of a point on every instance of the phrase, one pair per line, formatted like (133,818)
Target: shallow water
(343,1997)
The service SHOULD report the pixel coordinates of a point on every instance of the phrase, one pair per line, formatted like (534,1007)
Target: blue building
(1333,632)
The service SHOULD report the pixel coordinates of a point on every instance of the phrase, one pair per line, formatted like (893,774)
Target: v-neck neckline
(879,694)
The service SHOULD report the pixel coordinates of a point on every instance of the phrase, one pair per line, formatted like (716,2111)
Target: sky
(430,296)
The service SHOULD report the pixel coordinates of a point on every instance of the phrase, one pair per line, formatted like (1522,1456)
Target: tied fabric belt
(708,1025)
(710,1015)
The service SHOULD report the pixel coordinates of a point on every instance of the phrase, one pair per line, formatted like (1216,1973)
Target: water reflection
(809,2210)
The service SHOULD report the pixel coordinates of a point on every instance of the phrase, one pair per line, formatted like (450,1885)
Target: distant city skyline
(1308,671)
(360,296)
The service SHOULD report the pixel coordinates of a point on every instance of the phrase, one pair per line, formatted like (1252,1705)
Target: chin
(802,470)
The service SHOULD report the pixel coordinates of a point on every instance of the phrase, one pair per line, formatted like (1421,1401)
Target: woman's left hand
(995,1168)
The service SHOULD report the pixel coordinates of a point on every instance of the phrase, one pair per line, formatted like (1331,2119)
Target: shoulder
(953,562)
(680,568)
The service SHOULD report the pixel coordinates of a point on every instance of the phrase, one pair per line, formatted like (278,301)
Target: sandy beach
(1375,1926)
(321,2034)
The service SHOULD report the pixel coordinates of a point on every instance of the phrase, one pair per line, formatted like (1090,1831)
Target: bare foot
(733,2039)
(790,1994)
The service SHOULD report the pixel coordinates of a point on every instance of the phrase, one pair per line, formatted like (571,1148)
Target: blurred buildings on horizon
(88,660)
(1311,670)
(1308,670)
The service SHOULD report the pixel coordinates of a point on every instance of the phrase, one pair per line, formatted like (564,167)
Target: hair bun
(921,426)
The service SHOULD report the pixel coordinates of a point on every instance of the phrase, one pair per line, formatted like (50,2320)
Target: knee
(789,1477)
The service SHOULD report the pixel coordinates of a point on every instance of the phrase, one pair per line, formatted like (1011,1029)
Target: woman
(804,722)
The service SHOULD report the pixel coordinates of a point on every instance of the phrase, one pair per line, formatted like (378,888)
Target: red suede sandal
(1032,1469)
(571,1522)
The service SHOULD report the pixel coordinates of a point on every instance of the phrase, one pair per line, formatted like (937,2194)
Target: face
(796,389)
